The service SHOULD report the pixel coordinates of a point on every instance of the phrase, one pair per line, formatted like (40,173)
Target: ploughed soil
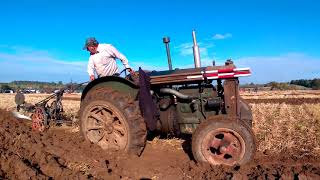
(61,153)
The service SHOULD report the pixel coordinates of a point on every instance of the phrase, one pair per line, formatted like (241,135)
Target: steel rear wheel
(112,121)
(106,126)
(227,142)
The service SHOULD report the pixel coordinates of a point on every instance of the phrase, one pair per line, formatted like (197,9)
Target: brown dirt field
(286,125)
(61,153)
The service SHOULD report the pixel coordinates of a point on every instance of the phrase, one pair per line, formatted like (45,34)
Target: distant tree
(6,87)
(315,84)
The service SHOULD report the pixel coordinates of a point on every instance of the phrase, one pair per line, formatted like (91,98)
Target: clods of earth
(62,153)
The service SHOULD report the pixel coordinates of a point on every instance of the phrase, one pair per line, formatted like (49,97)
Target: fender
(115,82)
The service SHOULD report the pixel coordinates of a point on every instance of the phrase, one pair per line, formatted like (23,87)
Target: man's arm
(91,69)
(120,56)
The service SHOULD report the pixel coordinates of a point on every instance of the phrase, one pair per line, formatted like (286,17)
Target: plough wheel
(39,119)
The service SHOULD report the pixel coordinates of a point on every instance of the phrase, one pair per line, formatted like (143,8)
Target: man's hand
(92,78)
(131,71)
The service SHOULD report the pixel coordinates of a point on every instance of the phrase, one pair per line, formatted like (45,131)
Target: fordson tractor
(117,112)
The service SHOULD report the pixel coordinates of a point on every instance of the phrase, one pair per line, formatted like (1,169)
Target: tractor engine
(182,111)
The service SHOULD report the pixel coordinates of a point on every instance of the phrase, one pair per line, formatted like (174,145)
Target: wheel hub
(109,128)
(223,146)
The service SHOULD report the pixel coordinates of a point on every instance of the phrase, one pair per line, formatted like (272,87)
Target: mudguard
(115,82)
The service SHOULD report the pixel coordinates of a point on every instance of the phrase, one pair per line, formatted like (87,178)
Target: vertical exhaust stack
(166,40)
(196,51)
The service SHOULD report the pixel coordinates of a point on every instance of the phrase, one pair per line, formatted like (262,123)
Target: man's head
(91,45)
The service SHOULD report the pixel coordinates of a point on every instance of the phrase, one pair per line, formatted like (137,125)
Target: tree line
(299,84)
(313,84)
(37,85)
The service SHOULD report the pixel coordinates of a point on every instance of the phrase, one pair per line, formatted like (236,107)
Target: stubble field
(286,125)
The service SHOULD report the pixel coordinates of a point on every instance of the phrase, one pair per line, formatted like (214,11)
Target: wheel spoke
(95,127)
(102,141)
(119,135)
(107,116)
(122,139)
(99,109)
(120,128)
(97,117)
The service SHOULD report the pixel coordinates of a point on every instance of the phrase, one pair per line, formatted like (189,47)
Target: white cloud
(222,36)
(147,66)
(186,49)
(38,65)
(282,68)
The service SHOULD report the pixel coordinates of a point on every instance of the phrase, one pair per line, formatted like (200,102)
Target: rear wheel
(223,141)
(113,121)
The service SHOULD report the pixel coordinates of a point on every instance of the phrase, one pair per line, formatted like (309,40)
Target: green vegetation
(300,84)
(36,85)
(284,86)
(314,83)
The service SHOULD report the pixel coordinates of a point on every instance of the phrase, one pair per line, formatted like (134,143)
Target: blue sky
(42,40)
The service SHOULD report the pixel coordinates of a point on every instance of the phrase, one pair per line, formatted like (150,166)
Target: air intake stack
(196,51)
(166,41)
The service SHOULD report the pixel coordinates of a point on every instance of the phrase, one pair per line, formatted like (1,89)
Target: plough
(45,111)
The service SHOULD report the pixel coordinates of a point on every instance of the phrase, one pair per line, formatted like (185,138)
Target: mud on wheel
(113,121)
(223,141)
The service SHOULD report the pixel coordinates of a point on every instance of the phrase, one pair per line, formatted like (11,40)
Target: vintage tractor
(117,112)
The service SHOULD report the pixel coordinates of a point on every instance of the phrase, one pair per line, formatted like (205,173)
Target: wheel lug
(223,149)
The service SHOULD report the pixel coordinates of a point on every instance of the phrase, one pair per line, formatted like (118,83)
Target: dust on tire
(126,108)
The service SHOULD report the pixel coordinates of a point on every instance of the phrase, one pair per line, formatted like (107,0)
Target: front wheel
(113,121)
(223,141)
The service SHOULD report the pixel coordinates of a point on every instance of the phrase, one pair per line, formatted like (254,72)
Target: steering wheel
(125,72)
(131,77)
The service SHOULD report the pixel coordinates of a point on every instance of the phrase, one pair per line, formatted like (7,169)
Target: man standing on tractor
(103,59)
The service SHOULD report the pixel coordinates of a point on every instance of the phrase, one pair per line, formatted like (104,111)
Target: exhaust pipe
(196,51)
(177,93)
(166,41)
